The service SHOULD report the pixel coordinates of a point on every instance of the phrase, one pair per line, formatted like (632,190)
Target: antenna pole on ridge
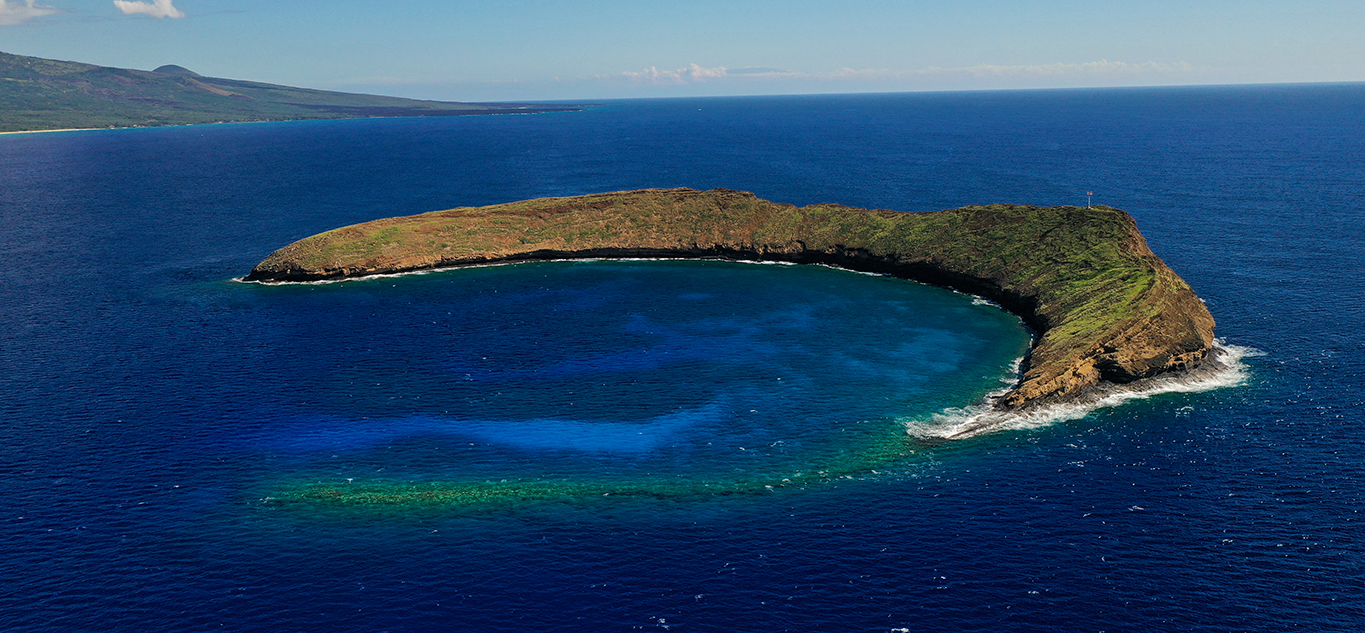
(1087,198)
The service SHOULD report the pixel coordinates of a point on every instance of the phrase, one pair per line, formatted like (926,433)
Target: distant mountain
(172,69)
(45,94)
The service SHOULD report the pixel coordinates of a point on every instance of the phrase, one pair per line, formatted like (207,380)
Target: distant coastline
(42,95)
(68,129)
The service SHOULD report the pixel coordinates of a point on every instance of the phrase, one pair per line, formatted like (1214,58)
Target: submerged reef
(1103,306)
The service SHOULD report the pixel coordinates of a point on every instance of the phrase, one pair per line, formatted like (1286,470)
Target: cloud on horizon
(12,13)
(1103,69)
(696,80)
(652,75)
(156,8)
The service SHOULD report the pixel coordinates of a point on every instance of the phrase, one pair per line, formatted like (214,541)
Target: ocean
(668,445)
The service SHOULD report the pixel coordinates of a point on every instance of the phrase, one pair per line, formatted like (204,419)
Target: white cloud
(695,80)
(1103,69)
(692,74)
(12,13)
(156,8)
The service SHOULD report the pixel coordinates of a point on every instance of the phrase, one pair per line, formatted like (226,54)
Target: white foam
(516,262)
(1222,368)
(506,262)
(847,270)
(342,280)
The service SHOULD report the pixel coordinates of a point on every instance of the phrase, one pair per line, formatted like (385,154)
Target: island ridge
(1103,306)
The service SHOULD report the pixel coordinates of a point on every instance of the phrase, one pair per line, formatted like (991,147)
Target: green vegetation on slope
(43,94)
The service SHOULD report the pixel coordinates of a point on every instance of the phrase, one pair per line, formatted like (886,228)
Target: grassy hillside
(44,94)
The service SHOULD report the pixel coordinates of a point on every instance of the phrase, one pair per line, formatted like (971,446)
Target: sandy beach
(69,129)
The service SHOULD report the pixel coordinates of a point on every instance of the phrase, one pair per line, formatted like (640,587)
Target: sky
(509,50)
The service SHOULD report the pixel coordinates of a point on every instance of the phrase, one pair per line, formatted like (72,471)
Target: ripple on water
(670,378)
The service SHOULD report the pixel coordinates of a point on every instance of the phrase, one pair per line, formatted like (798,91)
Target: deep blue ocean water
(153,411)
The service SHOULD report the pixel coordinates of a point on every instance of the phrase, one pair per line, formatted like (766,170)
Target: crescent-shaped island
(1104,307)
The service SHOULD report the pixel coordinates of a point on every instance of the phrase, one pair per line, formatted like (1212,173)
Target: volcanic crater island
(1104,309)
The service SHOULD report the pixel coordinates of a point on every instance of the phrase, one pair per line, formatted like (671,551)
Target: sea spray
(1224,367)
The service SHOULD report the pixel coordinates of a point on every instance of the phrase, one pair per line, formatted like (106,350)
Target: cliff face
(1104,306)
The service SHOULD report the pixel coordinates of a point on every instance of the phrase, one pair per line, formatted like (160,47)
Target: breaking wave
(512,262)
(1224,367)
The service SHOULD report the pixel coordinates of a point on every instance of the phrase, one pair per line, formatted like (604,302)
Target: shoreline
(1224,367)
(518,262)
(476,112)
(65,129)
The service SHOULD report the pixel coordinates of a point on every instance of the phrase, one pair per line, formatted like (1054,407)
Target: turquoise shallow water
(150,405)
(631,373)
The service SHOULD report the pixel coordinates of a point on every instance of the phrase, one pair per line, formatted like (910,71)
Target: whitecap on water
(1223,368)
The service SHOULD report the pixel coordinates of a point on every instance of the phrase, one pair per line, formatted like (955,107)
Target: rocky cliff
(1105,308)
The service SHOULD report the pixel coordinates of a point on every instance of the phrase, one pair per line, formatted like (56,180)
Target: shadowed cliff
(1104,306)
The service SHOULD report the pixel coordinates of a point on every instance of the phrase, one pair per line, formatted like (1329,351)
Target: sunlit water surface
(612,446)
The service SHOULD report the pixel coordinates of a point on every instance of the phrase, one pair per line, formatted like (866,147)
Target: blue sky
(598,49)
